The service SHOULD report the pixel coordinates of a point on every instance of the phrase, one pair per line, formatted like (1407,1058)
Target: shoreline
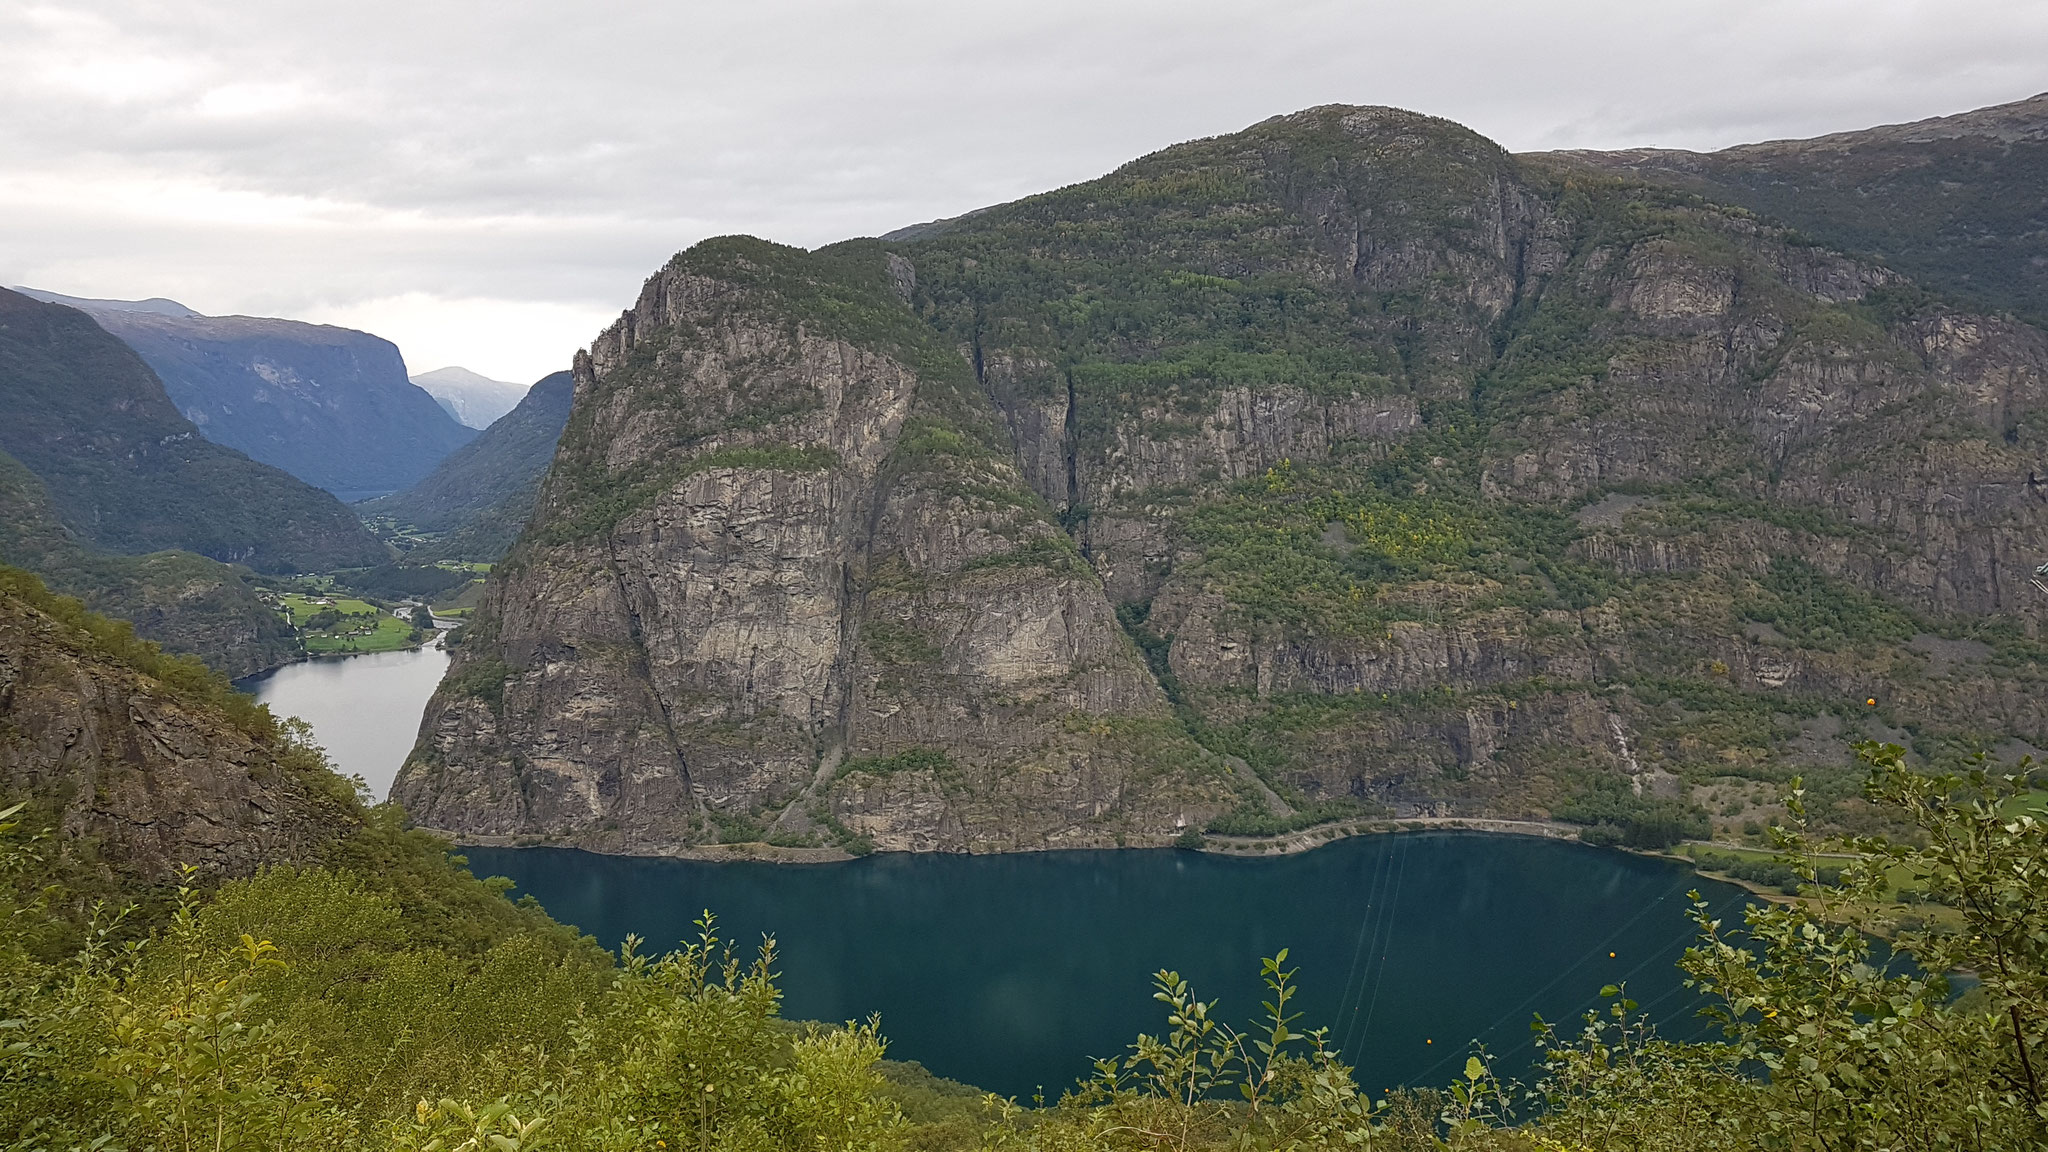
(1285,844)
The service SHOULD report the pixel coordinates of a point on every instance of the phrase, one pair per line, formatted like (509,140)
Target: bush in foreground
(388,1001)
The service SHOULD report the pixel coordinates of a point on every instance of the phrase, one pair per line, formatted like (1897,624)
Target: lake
(1012,972)
(365,710)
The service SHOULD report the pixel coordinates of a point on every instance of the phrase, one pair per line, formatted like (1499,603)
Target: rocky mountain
(1959,203)
(187,603)
(329,405)
(475,400)
(785,579)
(1413,476)
(143,763)
(480,497)
(124,472)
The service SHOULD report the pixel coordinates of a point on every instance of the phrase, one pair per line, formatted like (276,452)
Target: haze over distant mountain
(481,496)
(183,601)
(155,304)
(1960,203)
(127,473)
(471,397)
(329,405)
(114,497)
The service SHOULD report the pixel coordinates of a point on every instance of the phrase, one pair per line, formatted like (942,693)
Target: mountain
(481,495)
(1959,203)
(187,603)
(328,405)
(126,473)
(148,763)
(1412,476)
(156,305)
(785,573)
(473,399)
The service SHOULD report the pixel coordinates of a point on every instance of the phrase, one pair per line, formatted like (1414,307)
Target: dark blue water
(1013,972)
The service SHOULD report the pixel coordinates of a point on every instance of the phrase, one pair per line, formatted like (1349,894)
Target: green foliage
(183,676)
(933,760)
(1614,814)
(1777,874)
(319,1007)
(1253,818)
(482,678)
(1815,611)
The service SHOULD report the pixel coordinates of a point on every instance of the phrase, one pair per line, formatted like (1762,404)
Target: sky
(487,184)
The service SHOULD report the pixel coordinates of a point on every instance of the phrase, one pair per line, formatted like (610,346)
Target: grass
(344,624)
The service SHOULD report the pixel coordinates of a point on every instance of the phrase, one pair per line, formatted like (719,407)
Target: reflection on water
(1012,972)
(365,710)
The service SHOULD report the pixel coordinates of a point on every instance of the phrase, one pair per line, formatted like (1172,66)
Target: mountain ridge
(1426,481)
(479,498)
(475,400)
(327,404)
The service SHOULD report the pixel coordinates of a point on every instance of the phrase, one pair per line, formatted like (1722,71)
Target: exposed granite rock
(1422,477)
(781,574)
(138,773)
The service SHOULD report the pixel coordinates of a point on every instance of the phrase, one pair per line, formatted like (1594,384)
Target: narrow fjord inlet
(1410,946)
(1369,578)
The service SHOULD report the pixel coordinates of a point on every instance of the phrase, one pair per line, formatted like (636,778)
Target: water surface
(1012,972)
(364,709)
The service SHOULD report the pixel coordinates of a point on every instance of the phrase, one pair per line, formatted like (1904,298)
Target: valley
(1495,608)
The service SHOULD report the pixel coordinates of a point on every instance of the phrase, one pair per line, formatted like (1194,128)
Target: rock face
(784,581)
(329,405)
(137,772)
(1956,202)
(126,473)
(479,498)
(1424,479)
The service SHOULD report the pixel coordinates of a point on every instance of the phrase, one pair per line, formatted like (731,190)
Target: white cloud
(284,158)
(515,340)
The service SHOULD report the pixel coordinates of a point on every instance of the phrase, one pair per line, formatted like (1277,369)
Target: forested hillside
(476,501)
(1959,203)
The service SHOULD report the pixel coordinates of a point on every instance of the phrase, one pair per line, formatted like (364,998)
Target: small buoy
(1610,955)
(1872,701)
(1429,1041)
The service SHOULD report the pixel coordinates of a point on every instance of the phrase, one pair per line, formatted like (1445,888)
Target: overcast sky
(488,183)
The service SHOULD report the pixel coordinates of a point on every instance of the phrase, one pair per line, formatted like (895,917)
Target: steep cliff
(1424,478)
(329,405)
(126,473)
(783,580)
(144,764)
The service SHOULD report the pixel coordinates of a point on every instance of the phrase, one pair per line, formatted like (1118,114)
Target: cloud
(317,159)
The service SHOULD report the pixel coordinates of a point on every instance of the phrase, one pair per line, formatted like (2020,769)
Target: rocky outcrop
(142,773)
(783,581)
(1423,479)
(1953,201)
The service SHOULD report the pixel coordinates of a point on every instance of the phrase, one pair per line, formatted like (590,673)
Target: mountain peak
(474,399)
(155,305)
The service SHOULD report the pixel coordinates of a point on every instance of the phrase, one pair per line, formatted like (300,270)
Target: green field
(344,624)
